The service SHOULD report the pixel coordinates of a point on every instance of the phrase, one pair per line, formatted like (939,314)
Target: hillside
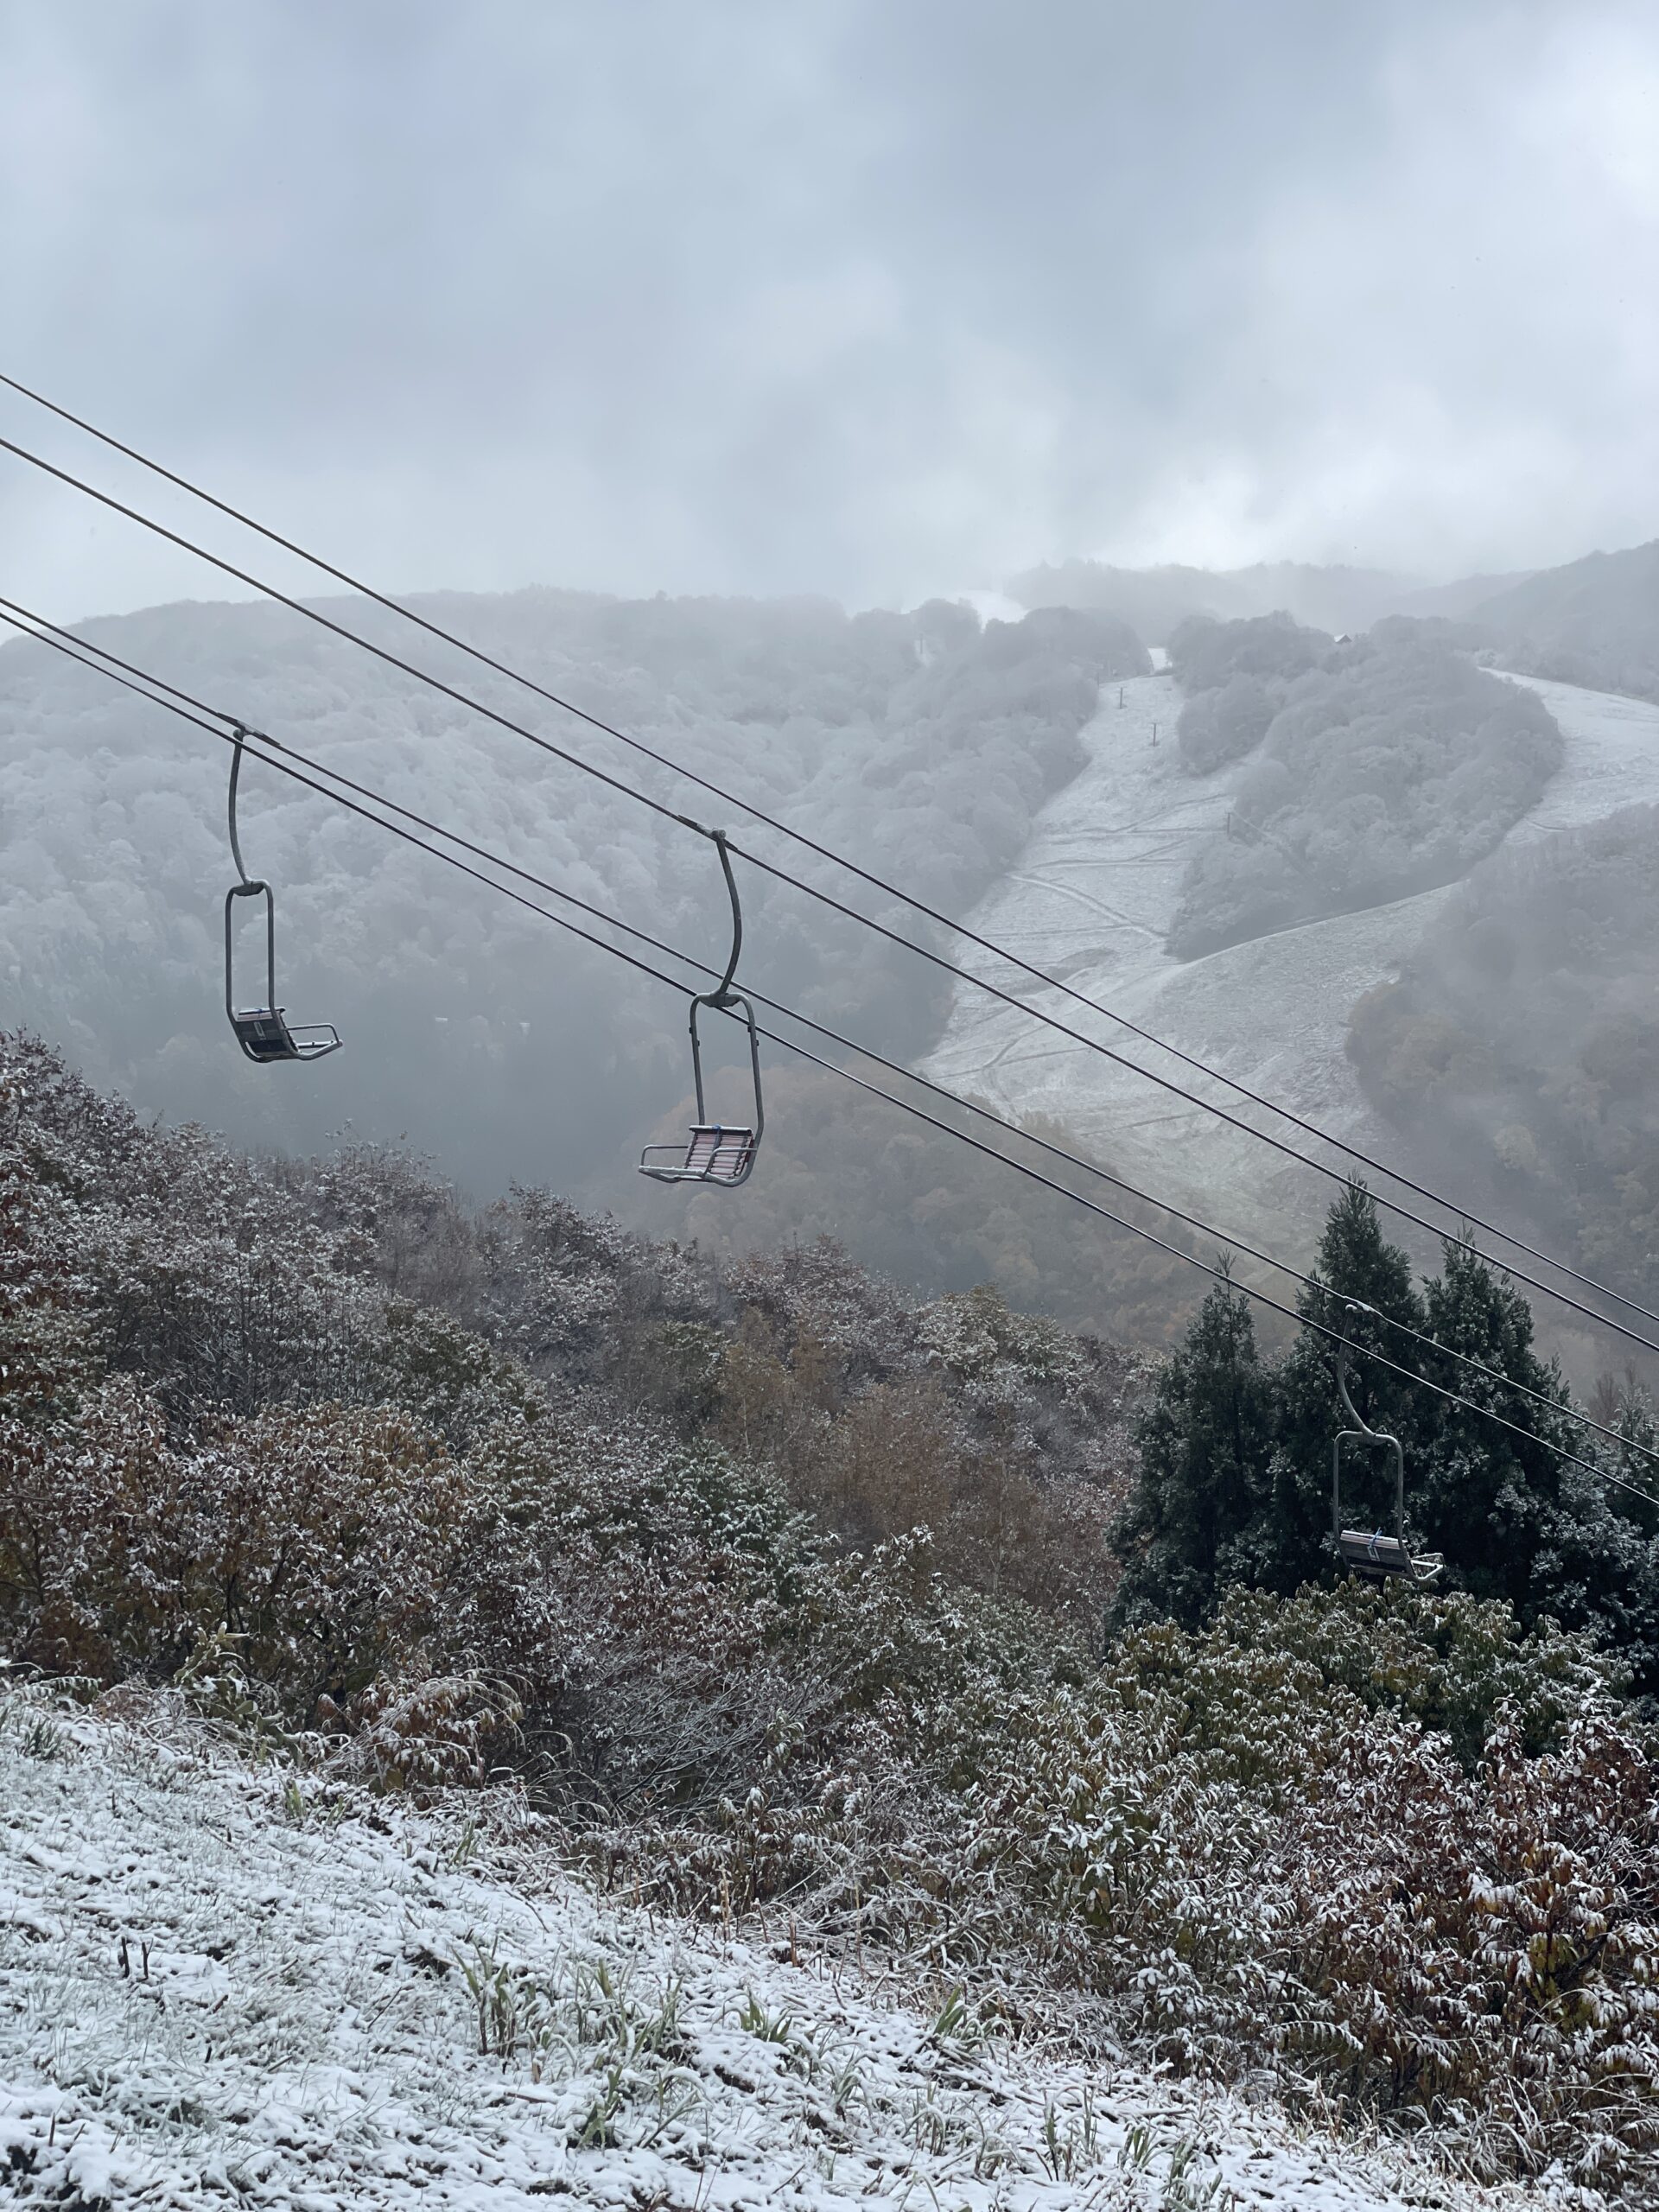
(794,1608)
(221,1981)
(1375,769)
(1594,622)
(1093,898)
(1518,1043)
(922,741)
(1154,601)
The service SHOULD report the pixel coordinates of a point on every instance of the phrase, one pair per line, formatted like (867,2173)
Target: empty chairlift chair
(715,1152)
(1372,1552)
(264,1033)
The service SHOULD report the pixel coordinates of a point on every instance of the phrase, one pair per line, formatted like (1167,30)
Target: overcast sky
(871,297)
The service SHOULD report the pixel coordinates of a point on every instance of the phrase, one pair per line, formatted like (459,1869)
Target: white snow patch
(216,1989)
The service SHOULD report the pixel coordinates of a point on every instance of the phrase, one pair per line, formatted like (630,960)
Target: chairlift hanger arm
(716,1153)
(239,736)
(1345,1348)
(720,996)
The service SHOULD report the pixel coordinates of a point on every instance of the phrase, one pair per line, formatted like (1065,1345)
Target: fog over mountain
(1594,622)
(1157,601)
(1308,784)
(1379,768)
(1519,1045)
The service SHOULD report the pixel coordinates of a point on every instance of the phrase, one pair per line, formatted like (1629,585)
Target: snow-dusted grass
(1090,900)
(223,1986)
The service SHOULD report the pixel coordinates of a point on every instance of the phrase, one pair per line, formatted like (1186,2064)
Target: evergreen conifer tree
(1514,1519)
(1488,1497)
(1360,1283)
(1205,1443)
(1234,1477)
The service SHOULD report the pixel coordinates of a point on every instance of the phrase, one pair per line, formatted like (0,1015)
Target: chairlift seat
(713,1154)
(1368,1552)
(265,1034)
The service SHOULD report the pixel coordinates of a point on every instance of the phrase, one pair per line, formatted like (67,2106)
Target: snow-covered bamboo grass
(219,1986)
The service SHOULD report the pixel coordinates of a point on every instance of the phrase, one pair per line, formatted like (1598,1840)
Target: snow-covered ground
(1090,901)
(218,1987)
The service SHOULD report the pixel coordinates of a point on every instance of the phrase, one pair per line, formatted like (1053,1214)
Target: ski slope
(1090,901)
(217,1987)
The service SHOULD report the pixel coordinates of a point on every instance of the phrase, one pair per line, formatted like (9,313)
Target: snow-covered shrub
(93,1517)
(998,1353)
(1259,1864)
(320,1541)
(45,1357)
(808,1623)
(200,1270)
(446,1376)
(1445,1659)
(1485,1948)
(429,1732)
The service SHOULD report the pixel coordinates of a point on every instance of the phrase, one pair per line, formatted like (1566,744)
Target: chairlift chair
(1370,1551)
(264,1033)
(715,1152)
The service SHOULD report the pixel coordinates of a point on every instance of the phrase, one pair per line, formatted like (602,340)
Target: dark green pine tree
(1491,1499)
(1514,1518)
(1355,1265)
(1205,1443)
(1235,1476)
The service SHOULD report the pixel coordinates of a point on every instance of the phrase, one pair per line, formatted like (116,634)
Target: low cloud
(873,301)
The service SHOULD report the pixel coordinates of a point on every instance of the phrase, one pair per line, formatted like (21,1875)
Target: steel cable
(568,706)
(196,712)
(1438,1229)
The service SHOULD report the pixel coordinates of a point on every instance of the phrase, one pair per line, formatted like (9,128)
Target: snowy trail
(1091,899)
(216,1988)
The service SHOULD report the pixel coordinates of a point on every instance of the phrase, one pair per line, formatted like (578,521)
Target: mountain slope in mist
(1595,622)
(1390,765)
(1093,900)
(1519,1045)
(920,742)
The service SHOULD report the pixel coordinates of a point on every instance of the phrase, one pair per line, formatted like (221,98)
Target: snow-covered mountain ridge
(217,1987)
